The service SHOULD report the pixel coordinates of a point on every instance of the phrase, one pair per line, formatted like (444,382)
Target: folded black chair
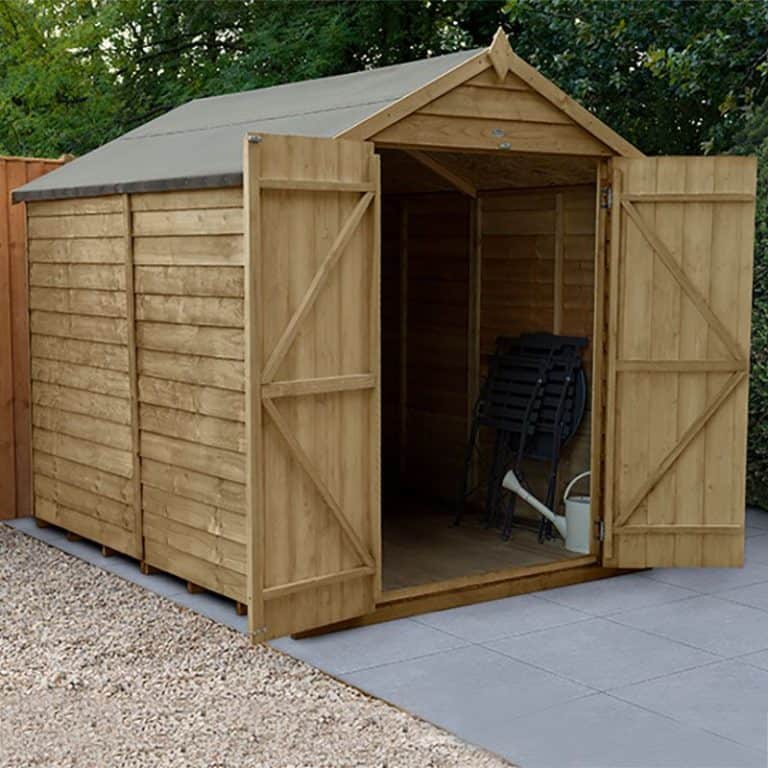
(534,398)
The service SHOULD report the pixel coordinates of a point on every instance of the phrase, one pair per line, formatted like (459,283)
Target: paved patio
(663,668)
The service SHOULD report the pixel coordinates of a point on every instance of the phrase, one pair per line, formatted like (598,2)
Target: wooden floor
(421,545)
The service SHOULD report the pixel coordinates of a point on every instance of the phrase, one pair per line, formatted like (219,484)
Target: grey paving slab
(84,550)
(373,646)
(601,731)
(710,580)
(755,595)
(718,626)
(499,618)
(759,659)
(471,691)
(161,583)
(757,518)
(728,698)
(600,598)
(601,654)
(215,607)
(756,549)
(28,525)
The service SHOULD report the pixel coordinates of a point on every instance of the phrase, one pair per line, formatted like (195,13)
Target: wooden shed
(259,324)
(15,437)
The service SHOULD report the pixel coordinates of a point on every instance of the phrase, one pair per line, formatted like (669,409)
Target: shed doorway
(510,251)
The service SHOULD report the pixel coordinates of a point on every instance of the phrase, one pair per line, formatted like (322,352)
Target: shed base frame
(401,603)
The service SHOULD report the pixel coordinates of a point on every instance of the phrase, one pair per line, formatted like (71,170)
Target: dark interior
(429,379)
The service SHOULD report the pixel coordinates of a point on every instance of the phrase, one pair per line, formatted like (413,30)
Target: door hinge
(606,198)
(600,530)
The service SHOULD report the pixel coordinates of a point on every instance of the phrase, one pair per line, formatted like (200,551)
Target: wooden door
(312,276)
(680,291)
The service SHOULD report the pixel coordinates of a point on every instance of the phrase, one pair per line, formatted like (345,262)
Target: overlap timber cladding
(538,275)
(82,439)
(480,114)
(185,293)
(188,253)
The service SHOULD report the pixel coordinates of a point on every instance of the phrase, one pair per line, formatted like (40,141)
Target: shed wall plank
(104,484)
(66,227)
(113,409)
(211,250)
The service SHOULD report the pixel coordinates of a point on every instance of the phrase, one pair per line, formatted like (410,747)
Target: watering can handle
(573,482)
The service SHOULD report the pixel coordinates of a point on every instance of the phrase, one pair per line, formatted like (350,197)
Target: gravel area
(96,672)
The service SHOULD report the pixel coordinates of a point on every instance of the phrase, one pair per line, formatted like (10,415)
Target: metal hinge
(606,198)
(600,525)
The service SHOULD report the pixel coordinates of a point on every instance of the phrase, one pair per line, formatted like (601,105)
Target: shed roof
(199,144)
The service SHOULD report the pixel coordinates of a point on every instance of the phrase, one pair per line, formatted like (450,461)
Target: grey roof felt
(200,143)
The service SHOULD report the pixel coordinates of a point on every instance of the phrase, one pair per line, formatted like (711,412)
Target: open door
(678,356)
(312,366)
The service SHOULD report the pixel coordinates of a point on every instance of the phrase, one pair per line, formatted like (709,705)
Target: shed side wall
(15,437)
(81,386)
(188,274)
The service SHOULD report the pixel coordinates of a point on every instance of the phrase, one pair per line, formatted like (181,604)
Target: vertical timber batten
(403,252)
(473,324)
(254,483)
(133,374)
(374,175)
(597,449)
(8,449)
(612,341)
(557,320)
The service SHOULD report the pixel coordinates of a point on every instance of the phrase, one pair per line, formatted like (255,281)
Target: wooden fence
(15,473)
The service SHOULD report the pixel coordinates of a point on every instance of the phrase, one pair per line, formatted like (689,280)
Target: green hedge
(754,141)
(757,445)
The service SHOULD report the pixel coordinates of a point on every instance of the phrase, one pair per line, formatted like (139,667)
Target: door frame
(586,567)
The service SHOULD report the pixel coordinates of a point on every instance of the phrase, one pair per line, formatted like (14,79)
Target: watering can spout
(512,483)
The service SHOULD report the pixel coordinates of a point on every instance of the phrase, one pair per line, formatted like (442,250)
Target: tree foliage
(75,73)
(753,140)
(672,76)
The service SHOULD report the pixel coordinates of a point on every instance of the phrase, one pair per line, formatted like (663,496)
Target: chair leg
(488,509)
(462,500)
(494,479)
(509,517)
(546,530)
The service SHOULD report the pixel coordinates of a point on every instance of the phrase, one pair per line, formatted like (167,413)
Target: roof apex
(499,55)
